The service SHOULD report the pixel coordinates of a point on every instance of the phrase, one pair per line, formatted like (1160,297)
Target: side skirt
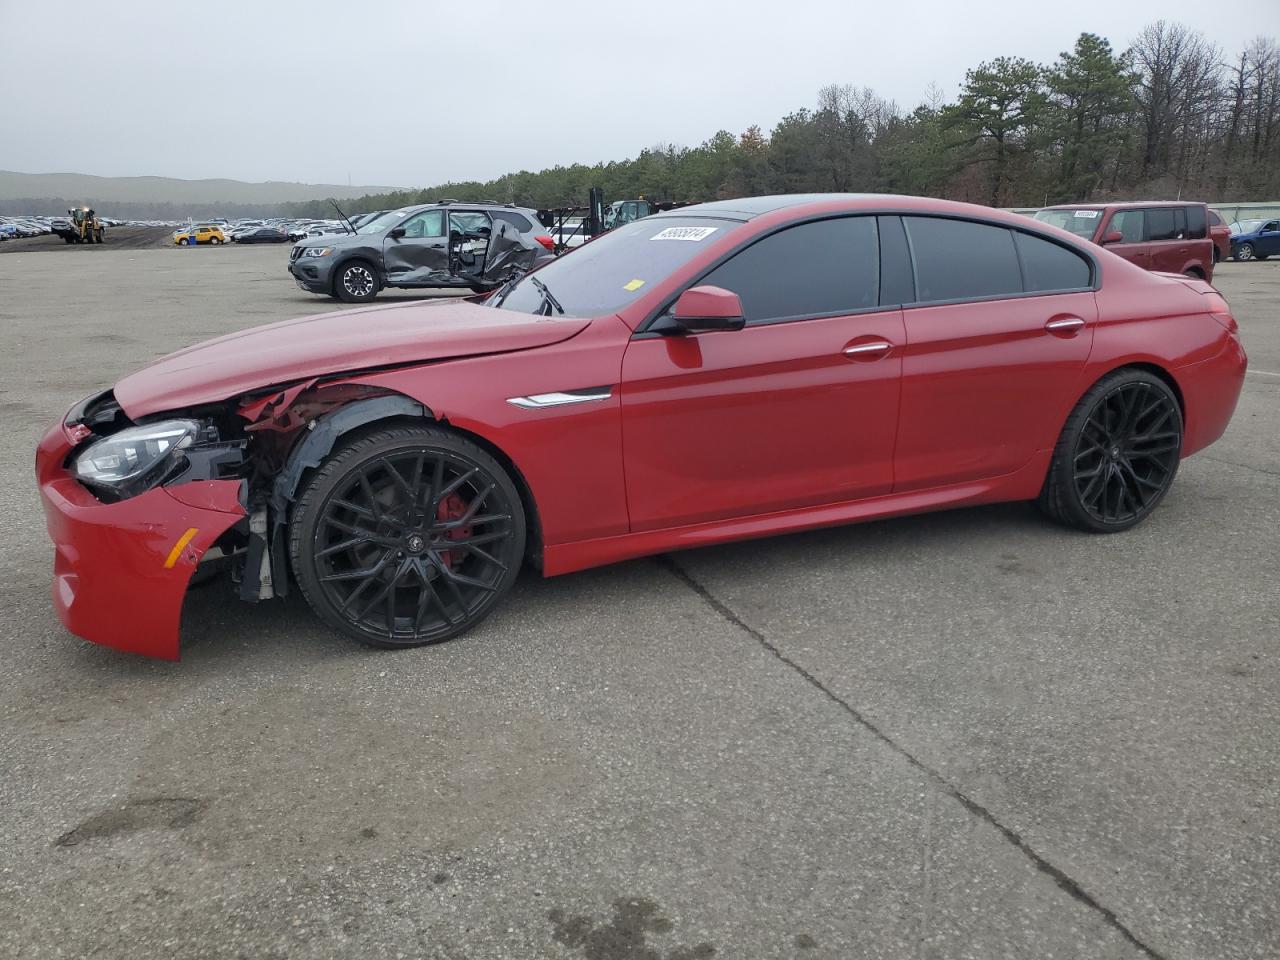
(1023,484)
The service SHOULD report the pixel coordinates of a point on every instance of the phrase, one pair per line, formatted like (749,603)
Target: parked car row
(283,229)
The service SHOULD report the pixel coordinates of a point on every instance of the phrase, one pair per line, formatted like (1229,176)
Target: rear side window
(959,260)
(824,268)
(1049,266)
(1214,219)
(517,220)
(1162,223)
(1197,228)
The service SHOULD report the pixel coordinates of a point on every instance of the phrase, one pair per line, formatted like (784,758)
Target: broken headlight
(134,460)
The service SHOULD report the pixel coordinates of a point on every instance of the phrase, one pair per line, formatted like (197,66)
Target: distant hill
(16,186)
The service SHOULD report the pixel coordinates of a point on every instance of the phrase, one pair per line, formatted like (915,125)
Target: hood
(341,240)
(332,343)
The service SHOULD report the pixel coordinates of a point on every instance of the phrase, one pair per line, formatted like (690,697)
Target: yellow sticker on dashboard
(633,286)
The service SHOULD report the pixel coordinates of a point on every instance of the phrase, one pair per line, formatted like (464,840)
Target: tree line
(1170,116)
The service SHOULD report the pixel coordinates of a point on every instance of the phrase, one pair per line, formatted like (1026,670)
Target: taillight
(546,242)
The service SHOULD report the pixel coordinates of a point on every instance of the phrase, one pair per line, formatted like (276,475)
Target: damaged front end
(138,510)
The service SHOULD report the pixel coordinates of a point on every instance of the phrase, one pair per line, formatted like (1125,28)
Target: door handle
(868,351)
(1064,325)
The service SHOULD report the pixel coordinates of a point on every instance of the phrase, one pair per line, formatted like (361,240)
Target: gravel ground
(964,735)
(114,238)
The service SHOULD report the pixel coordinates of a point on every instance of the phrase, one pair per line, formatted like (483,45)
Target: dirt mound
(117,238)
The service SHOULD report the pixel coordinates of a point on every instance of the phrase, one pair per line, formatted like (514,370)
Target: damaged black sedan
(475,246)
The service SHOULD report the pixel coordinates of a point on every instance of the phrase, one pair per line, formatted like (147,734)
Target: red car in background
(1220,234)
(1168,237)
(725,371)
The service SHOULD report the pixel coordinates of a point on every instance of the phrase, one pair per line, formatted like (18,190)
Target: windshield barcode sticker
(684,233)
(1091,214)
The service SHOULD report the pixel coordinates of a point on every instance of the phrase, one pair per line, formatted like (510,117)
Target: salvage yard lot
(969,734)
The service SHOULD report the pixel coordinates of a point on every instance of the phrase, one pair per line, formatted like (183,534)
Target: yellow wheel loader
(82,227)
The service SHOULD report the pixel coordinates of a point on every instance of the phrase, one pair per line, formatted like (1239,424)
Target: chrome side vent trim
(560,398)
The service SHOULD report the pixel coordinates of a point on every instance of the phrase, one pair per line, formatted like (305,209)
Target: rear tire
(1244,251)
(406,536)
(355,282)
(1117,455)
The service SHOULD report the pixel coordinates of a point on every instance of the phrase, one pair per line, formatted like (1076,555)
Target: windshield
(381,223)
(1246,226)
(608,273)
(1080,222)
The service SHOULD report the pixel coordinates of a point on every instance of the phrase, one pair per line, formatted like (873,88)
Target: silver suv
(476,246)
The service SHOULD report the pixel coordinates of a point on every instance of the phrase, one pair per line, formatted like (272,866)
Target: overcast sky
(416,93)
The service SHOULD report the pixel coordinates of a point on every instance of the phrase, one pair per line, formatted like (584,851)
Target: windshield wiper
(504,290)
(547,298)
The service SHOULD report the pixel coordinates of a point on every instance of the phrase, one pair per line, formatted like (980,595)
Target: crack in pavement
(1242,466)
(1071,887)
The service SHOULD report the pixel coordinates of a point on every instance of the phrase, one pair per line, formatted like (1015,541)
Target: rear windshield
(1246,226)
(608,273)
(1080,222)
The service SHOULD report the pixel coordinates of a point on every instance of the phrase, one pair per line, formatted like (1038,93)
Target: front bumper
(120,570)
(313,274)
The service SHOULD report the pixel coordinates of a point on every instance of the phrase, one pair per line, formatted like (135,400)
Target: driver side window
(429,223)
(821,269)
(1130,223)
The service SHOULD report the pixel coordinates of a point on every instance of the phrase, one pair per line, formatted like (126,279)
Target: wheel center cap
(416,544)
(1115,453)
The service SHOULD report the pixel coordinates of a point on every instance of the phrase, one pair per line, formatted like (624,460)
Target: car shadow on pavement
(219,630)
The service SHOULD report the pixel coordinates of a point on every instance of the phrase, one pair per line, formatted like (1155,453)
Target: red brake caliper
(451,508)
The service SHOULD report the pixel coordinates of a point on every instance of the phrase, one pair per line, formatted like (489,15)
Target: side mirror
(709,308)
(1112,236)
(395,233)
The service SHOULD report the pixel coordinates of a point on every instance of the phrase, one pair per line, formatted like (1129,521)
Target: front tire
(355,282)
(1117,455)
(407,536)
(1244,251)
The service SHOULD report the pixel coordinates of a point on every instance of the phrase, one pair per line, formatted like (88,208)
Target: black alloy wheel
(355,282)
(1118,454)
(407,536)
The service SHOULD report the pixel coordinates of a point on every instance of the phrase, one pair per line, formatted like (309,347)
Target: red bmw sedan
(724,371)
